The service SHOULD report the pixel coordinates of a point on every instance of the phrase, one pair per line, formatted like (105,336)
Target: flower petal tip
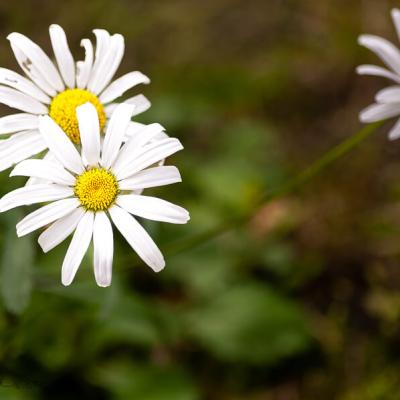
(363,119)
(54,26)
(395,12)
(394,134)
(104,284)
(11,36)
(361,39)
(66,281)
(159,267)
(42,245)
(20,233)
(146,79)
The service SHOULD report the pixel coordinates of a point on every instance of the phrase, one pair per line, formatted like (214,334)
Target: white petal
(377,71)
(32,72)
(133,145)
(18,122)
(12,143)
(103,249)
(33,180)
(134,129)
(14,139)
(47,170)
(89,130)
(21,101)
(115,133)
(396,20)
(152,177)
(20,146)
(108,65)
(102,45)
(153,208)
(16,81)
(385,50)
(378,112)
(388,95)
(395,131)
(60,230)
(46,215)
(63,54)
(59,144)
(34,194)
(84,68)
(138,238)
(77,248)
(148,155)
(140,102)
(35,56)
(121,85)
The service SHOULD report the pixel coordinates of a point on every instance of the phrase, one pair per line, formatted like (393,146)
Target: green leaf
(10,390)
(16,267)
(251,324)
(130,317)
(203,271)
(126,380)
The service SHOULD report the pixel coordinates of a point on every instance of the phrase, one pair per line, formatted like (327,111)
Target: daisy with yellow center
(86,191)
(57,89)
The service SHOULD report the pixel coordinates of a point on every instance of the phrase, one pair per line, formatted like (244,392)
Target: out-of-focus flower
(86,190)
(387,101)
(57,89)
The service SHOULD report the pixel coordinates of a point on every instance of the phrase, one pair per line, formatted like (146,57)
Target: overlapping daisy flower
(57,89)
(85,191)
(387,101)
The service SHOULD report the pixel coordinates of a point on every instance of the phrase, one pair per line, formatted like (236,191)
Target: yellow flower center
(96,189)
(63,110)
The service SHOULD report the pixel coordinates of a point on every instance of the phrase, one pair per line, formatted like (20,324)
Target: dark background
(300,302)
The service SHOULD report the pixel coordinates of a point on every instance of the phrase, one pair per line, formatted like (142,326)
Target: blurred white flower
(58,89)
(387,103)
(86,190)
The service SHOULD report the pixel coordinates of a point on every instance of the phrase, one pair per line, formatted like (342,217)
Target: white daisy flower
(58,89)
(387,103)
(86,190)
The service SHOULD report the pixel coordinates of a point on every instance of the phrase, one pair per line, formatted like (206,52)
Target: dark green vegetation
(300,302)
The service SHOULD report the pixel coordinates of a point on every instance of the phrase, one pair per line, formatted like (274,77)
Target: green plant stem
(288,187)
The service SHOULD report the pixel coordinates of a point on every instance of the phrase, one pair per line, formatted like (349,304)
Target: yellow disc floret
(63,110)
(96,189)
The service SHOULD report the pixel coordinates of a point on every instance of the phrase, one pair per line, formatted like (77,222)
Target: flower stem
(286,188)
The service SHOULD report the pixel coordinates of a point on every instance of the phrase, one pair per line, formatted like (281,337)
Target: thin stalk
(292,185)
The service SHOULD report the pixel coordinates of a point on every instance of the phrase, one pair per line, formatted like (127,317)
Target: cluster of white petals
(132,164)
(96,161)
(33,95)
(387,101)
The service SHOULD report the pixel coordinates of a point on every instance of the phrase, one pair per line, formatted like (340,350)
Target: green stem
(288,187)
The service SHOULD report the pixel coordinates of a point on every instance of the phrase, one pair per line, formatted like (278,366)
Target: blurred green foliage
(17,263)
(301,302)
